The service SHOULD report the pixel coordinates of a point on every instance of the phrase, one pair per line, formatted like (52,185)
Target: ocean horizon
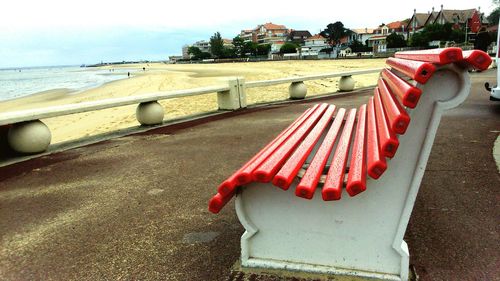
(17,82)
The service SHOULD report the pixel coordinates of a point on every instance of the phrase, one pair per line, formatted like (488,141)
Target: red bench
(374,157)
(384,116)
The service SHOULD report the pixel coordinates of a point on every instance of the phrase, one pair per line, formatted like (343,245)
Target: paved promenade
(135,208)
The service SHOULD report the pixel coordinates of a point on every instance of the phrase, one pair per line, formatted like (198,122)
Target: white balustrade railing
(27,134)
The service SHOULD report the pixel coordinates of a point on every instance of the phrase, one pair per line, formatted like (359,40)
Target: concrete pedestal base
(150,113)
(346,84)
(29,137)
(297,90)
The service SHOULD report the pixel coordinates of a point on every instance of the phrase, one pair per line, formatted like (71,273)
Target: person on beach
(128,74)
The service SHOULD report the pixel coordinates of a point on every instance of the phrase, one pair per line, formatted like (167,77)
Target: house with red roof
(378,40)
(265,33)
(314,45)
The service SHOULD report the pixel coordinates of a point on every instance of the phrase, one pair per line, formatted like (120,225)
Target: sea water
(19,82)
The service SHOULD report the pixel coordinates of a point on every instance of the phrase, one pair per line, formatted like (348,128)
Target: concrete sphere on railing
(150,113)
(346,84)
(29,137)
(297,90)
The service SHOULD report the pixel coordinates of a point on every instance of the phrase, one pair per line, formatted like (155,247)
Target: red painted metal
(376,164)
(378,123)
(396,115)
(310,180)
(406,93)
(439,56)
(218,201)
(289,170)
(332,189)
(266,171)
(417,70)
(356,179)
(388,141)
(477,59)
(243,175)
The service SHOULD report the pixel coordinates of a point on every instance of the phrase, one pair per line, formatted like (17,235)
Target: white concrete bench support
(361,235)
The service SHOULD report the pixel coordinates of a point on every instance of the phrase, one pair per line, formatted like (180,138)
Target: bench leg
(353,236)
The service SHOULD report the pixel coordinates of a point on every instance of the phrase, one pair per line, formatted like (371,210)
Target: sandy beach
(166,77)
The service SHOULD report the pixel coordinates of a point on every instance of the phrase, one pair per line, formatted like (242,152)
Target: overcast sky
(64,32)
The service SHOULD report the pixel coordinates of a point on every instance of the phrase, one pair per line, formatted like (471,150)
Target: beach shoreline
(169,77)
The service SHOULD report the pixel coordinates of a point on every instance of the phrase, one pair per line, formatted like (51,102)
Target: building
(276,46)
(185,52)
(398,27)
(378,40)
(313,45)
(419,20)
(265,33)
(298,36)
(378,43)
(228,43)
(472,19)
(203,45)
(247,35)
(174,59)
(363,34)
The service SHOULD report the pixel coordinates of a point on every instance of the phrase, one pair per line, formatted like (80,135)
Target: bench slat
(289,170)
(267,169)
(243,176)
(376,164)
(396,115)
(417,70)
(332,189)
(310,180)
(439,56)
(246,173)
(405,92)
(387,138)
(356,179)
(477,59)
(217,202)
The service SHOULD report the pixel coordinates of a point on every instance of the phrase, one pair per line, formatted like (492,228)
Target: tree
(395,41)
(250,48)
(457,36)
(217,45)
(288,48)
(229,53)
(357,47)
(197,54)
(438,32)
(239,46)
(263,49)
(205,55)
(495,14)
(419,39)
(334,32)
(194,52)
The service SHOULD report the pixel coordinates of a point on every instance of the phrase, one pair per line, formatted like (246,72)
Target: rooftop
(316,37)
(363,30)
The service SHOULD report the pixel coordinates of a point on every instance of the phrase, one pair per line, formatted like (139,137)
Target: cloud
(73,32)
